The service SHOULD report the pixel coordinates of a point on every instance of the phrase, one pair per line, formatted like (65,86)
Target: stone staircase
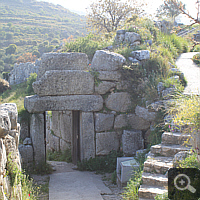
(159,160)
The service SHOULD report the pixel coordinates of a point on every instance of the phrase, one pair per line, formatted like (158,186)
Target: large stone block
(5,124)
(119,102)
(87,103)
(64,145)
(106,142)
(87,135)
(104,87)
(103,122)
(53,142)
(11,109)
(3,158)
(131,120)
(64,82)
(26,152)
(131,37)
(62,124)
(62,61)
(141,54)
(131,142)
(145,114)
(107,61)
(37,136)
(109,76)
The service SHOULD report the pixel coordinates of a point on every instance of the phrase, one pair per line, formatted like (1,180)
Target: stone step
(149,192)
(154,179)
(145,199)
(158,165)
(174,138)
(167,150)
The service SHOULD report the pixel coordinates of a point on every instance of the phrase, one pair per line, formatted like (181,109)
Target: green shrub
(29,190)
(60,156)
(89,45)
(196,58)
(162,196)
(32,78)
(196,48)
(101,164)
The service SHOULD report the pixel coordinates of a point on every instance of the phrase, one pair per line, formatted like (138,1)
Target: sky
(81,5)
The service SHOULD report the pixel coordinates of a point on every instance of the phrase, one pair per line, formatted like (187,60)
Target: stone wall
(105,122)
(9,141)
(22,71)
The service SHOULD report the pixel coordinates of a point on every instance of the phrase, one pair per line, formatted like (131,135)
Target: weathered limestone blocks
(70,82)
(131,142)
(62,61)
(62,125)
(26,152)
(22,71)
(35,104)
(119,102)
(37,136)
(141,54)
(131,120)
(9,140)
(87,136)
(109,76)
(132,38)
(104,87)
(8,117)
(107,61)
(53,142)
(103,122)
(106,142)
(145,114)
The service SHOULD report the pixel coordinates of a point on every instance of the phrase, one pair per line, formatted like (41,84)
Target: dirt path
(191,72)
(69,184)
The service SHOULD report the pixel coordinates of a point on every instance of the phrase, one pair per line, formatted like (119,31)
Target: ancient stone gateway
(93,115)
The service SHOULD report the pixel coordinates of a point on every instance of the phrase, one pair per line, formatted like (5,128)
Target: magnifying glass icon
(183,183)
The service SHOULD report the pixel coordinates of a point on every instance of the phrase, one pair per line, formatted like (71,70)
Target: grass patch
(60,156)
(104,164)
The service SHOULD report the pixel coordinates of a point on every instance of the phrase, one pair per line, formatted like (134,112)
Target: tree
(11,49)
(168,9)
(107,15)
(26,57)
(183,11)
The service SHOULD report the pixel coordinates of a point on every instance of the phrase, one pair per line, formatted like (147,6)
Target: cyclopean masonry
(89,109)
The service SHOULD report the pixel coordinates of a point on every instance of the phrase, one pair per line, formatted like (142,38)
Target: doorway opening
(75,137)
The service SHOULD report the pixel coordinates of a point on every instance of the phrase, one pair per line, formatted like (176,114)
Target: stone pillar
(87,135)
(37,136)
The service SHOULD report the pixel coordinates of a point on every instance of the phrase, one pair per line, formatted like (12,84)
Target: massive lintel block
(64,82)
(62,61)
(86,103)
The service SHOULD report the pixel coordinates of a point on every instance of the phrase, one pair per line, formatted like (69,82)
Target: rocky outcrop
(22,71)
(9,153)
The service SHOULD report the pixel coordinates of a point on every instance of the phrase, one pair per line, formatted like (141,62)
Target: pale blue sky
(81,5)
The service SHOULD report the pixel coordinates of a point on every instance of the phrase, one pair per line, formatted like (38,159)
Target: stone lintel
(86,103)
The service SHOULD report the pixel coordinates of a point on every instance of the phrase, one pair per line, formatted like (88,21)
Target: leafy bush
(32,78)
(60,156)
(29,190)
(196,58)
(4,85)
(101,164)
(89,45)
(162,196)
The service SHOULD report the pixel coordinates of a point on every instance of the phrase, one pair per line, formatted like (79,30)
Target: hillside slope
(35,26)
